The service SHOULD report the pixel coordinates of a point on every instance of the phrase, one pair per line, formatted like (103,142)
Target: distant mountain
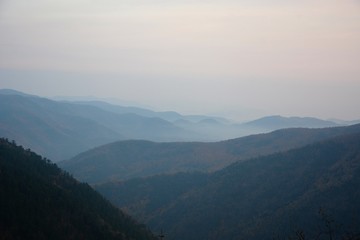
(60,130)
(345,122)
(170,116)
(219,129)
(128,159)
(311,192)
(279,122)
(202,127)
(52,129)
(40,201)
(14,92)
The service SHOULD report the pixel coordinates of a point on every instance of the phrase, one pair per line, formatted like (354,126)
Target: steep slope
(263,198)
(128,159)
(40,201)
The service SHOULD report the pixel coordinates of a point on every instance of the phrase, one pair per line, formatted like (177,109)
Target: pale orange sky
(281,57)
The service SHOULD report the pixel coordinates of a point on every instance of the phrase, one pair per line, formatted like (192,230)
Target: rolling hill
(128,159)
(311,192)
(38,200)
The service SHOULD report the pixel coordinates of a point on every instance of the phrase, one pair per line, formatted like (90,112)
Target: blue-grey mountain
(128,159)
(60,130)
(311,192)
(279,122)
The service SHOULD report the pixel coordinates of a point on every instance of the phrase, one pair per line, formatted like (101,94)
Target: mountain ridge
(127,159)
(265,197)
(277,121)
(60,130)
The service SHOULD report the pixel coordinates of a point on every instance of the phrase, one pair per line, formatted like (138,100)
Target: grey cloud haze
(280,57)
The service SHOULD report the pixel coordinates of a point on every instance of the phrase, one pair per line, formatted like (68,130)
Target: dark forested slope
(262,198)
(40,201)
(128,159)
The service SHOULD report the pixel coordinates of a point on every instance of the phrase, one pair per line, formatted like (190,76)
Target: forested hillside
(40,201)
(129,159)
(313,190)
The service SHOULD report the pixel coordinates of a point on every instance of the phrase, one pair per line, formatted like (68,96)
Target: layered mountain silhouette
(60,130)
(279,122)
(128,159)
(311,192)
(172,172)
(38,200)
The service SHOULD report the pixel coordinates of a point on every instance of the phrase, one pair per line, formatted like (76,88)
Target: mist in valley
(179,119)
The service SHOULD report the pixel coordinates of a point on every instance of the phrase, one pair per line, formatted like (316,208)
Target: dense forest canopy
(38,200)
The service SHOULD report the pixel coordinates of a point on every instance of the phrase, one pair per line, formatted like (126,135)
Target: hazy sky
(239,58)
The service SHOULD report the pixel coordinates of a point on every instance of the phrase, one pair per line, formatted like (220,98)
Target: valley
(179,120)
(290,177)
(261,198)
